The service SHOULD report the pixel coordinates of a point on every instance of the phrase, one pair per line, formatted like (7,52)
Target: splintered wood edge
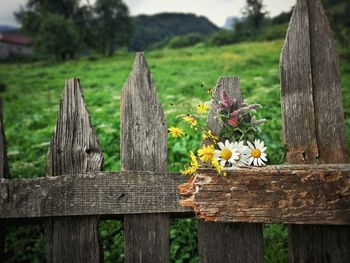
(74,146)
(74,149)
(300,194)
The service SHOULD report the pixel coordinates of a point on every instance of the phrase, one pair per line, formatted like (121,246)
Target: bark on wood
(74,149)
(309,194)
(228,241)
(319,243)
(4,173)
(144,148)
(92,194)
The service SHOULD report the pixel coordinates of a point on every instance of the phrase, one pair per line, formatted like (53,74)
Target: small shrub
(273,32)
(185,41)
(223,37)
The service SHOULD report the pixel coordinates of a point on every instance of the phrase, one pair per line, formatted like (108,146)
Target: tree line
(256,25)
(65,27)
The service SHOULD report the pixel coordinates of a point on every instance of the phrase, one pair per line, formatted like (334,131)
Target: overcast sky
(216,10)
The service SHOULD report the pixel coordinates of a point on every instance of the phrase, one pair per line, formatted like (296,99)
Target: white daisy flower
(243,151)
(227,154)
(257,155)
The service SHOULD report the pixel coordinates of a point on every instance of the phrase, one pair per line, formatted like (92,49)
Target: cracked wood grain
(229,242)
(294,194)
(296,90)
(144,148)
(327,95)
(98,193)
(74,149)
(309,28)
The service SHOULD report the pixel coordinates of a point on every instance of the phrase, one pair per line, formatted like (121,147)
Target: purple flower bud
(226,99)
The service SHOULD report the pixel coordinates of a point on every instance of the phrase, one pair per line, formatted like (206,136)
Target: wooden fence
(76,193)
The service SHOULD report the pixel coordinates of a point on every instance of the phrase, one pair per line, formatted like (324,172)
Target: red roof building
(14,45)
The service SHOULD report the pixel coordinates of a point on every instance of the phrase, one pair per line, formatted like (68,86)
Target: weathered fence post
(4,173)
(144,148)
(74,149)
(313,121)
(229,242)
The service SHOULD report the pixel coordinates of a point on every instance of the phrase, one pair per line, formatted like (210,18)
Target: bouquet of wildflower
(236,144)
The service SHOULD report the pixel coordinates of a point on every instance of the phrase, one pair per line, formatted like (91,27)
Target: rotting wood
(331,245)
(306,194)
(99,193)
(144,148)
(229,242)
(4,173)
(74,149)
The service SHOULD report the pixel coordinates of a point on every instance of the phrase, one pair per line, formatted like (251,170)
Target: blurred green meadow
(182,78)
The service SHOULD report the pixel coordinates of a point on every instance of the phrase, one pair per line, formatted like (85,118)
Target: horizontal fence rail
(298,194)
(304,194)
(99,193)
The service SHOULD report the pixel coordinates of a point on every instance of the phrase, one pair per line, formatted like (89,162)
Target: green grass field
(31,104)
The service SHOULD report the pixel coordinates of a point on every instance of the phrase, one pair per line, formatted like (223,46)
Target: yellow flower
(215,163)
(210,135)
(206,153)
(194,161)
(192,169)
(190,120)
(202,108)
(189,171)
(176,132)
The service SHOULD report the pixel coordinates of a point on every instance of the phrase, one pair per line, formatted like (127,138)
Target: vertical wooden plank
(299,133)
(144,148)
(296,90)
(4,170)
(4,173)
(329,112)
(229,242)
(74,149)
(314,243)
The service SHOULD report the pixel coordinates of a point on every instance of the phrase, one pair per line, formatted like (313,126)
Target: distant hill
(7,28)
(151,29)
